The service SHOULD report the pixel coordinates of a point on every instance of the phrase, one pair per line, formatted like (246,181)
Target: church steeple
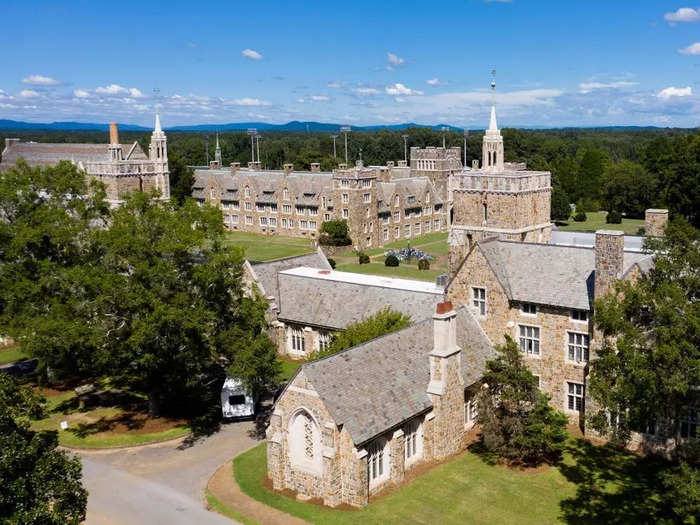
(217,151)
(492,148)
(158,154)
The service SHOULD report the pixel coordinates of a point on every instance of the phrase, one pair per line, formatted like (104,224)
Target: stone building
(122,168)
(380,203)
(349,425)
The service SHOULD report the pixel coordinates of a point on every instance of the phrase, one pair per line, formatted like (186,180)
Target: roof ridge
(257,263)
(361,283)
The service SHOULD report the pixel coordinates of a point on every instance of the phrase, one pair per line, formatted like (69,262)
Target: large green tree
(648,368)
(518,423)
(628,188)
(38,484)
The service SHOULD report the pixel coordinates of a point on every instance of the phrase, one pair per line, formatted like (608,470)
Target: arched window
(486,211)
(305,443)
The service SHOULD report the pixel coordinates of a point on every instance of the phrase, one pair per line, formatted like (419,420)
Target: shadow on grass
(613,486)
(128,420)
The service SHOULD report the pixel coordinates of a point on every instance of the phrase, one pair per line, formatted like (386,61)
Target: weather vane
(493,86)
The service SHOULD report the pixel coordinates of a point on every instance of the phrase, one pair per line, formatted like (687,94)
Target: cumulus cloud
(692,49)
(434,82)
(674,92)
(116,89)
(250,53)
(683,14)
(320,98)
(81,93)
(247,101)
(28,93)
(363,91)
(394,60)
(40,80)
(587,87)
(400,89)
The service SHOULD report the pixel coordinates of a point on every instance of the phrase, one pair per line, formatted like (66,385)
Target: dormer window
(285,194)
(247,191)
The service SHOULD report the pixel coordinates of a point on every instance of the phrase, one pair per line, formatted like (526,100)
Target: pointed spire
(157,126)
(493,125)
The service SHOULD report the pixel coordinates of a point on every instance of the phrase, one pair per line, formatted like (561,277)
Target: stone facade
(655,222)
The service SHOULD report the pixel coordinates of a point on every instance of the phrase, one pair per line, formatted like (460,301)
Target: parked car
(235,400)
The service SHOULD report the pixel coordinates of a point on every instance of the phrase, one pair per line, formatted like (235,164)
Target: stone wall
(655,222)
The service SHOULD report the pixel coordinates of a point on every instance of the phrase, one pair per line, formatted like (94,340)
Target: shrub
(423,264)
(335,233)
(363,258)
(560,209)
(391,260)
(613,217)
(580,216)
(641,231)
(331,262)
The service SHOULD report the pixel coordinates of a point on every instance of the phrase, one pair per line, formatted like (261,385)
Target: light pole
(444,129)
(345,130)
(405,148)
(252,132)
(258,138)
(334,137)
(466,134)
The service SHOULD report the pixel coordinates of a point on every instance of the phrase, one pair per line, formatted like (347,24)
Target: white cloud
(40,80)
(81,93)
(362,91)
(587,87)
(253,55)
(334,85)
(112,89)
(433,81)
(301,100)
(28,93)
(692,49)
(684,14)
(394,60)
(135,93)
(400,89)
(247,101)
(320,98)
(674,92)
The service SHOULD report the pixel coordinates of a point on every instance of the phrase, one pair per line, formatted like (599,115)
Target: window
(366,183)
(578,347)
(346,213)
(397,232)
(247,191)
(416,229)
(326,216)
(291,223)
(485,211)
(225,205)
(298,343)
(436,225)
(689,425)
(385,235)
(235,205)
(212,193)
(263,221)
(248,219)
(579,315)
(386,219)
(471,411)
(411,199)
(345,198)
(237,399)
(273,221)
(377,461)
(234,219)
(323,202)
(427,210)
(528,309)
(248,206)
(413,441)
(285,194)
(397,216)
(366,197)
(479,300)
(575,397)
(305,443)
(273,208)
(313,211)
(345,183)
(300,210)
(312,225)
(529,339)
(367,213)
(284,223)
(324,340)
(407,230)
(287,208)
(396,200)
(303,225)
(426,225)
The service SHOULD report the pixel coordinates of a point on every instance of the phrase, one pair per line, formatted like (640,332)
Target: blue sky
(558,63)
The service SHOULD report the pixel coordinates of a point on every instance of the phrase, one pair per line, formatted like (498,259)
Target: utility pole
(334,137)
(405,148)
(345,130)
(466,134)
(444,130)
(257,145)
(252,132)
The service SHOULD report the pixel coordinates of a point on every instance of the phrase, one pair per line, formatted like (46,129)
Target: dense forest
(625,170)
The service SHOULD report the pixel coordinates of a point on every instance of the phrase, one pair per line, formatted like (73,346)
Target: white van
(235,400)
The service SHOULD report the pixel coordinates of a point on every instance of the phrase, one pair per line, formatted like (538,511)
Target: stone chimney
(315,166)
(342,166)
(475,164)
(115,149)
(444,345)
(402,164)
(389,163)
(655,222)
(359,163)
(10,142)
(213,164)
(609,260)
(235,166)
(254,165)
(287,167)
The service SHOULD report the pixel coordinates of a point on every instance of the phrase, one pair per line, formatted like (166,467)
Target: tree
(648,367)
(561,209)
(335,233)
(590,174)
(628,188)
(380,323)
(40,485)
(181,178)
(518,423)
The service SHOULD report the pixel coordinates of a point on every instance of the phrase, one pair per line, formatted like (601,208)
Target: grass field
(289,368)
(592,485)
(596,221)
(268,247)
(404,271)
(12,354)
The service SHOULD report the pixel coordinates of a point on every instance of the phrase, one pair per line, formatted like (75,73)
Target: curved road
(162,483)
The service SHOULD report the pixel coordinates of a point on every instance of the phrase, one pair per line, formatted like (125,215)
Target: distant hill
(294,125)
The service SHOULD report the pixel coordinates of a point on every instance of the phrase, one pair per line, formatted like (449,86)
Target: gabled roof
(375,386)
(46,154)
(265,273)
(335,299)
(547,274)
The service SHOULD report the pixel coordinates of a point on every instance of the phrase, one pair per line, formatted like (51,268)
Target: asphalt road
(160,484)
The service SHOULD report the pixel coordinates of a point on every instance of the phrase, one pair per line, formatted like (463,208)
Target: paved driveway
(159,483)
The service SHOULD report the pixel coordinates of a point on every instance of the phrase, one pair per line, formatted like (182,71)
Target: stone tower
(217,152)
(499,199)
(158,155)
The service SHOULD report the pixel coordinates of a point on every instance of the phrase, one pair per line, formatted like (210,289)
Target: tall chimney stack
(655,222)
(113,133)
(609,260)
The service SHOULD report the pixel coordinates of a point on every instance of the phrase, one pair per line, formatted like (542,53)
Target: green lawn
(596,221)
(403,271)
(12,354)
(593,485)
(289,368)
(268,247)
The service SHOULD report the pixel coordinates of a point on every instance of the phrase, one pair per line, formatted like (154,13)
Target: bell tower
(158,154)
(492,148)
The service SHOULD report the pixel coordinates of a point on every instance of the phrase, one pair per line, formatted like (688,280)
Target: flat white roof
(367,280)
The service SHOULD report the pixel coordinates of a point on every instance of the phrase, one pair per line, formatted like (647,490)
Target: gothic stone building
(123,168)
(380,203)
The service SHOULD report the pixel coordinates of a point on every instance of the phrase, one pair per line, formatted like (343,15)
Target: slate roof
(375,386)
(547,274)
(335,304)
(265,273)
(45,154)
